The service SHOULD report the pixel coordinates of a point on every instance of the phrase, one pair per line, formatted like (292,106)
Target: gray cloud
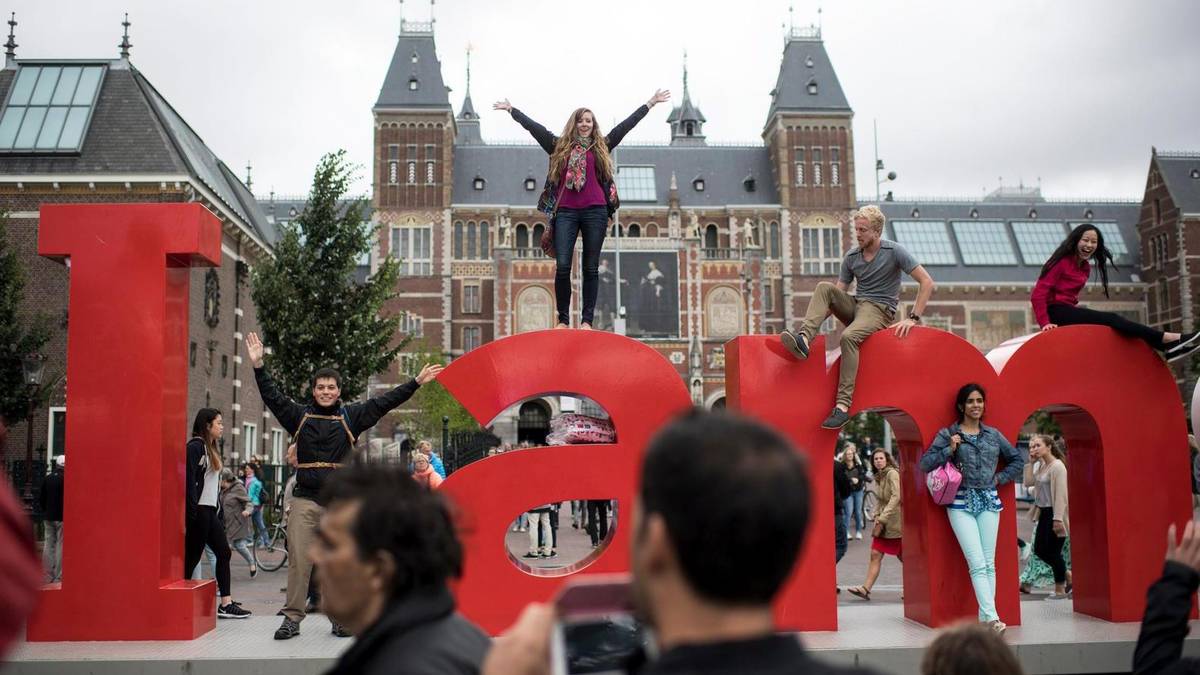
(1072,92)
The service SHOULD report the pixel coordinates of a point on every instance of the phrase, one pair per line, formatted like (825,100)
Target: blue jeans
(260,526)
(568,223)
(976,535)
(242,546)
(852,506)
(839,537)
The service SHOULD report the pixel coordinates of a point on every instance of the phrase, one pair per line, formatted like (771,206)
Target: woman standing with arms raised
(1055,298)
(579,195)
(976,449)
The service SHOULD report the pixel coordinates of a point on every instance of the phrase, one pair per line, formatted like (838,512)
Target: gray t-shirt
(878,280)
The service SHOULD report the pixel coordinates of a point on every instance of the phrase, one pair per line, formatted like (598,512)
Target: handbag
(943,483)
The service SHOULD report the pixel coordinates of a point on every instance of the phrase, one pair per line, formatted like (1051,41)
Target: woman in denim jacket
(976,450)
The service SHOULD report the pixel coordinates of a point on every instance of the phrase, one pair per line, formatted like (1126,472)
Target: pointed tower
(808,128)
(468,120)
(414,125)
(686,120)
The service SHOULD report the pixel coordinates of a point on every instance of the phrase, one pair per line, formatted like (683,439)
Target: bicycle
(274,556)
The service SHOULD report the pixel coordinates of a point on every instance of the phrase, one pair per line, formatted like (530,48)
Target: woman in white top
(1046,476)
(203,527)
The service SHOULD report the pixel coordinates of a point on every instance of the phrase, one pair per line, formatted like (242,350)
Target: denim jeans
(852,507)
(839,537)
(568,224)
(260,526)
(242,546)
(976,535)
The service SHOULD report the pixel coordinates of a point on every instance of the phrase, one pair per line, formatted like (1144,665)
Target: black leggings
(1069,315)
(592,223)
(1049,546)
(206,528)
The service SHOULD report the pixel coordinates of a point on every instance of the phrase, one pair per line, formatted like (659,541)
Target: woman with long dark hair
(976,449)
(1055,298)
(579,195)
(203,465)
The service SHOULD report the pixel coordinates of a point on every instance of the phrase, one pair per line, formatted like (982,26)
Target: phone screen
(599,644)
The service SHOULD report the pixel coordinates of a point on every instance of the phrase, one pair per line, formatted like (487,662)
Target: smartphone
(596,631)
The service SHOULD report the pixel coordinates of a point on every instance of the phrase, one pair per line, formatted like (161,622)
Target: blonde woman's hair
(562,149)
(853,449)
(418,456)
(873,216)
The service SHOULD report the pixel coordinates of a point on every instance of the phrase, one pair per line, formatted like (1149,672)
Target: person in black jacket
(387,550)
(842,488)
(324,432)
(1159,647)
(52,515)
(203,526)
(579,195)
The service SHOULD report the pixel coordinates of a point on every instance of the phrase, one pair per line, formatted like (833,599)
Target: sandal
(859,591)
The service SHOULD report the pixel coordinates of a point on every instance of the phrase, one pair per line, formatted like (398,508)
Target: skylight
(49,108)
(636,184)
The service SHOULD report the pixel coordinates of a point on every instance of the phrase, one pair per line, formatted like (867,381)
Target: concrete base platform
(1052,640)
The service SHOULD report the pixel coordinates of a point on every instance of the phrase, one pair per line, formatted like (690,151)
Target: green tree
(313,311)
(21,334)
(432,402)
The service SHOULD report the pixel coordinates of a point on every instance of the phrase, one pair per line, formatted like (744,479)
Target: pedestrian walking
(52,518)
(1046,478)
(888,529)
(856,474)
(235,516)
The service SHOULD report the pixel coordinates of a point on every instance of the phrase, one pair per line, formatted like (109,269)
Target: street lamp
(33,366)
(891,175)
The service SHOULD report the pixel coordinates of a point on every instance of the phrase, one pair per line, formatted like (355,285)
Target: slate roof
(431,90)
(504,169)
(1181,173)
(134,130)
(1124,213)
(791,88)
(467,123)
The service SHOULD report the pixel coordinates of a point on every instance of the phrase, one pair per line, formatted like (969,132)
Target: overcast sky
(1071,92)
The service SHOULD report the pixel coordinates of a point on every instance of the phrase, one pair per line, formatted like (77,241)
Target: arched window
(710,236)
(533,422)
(773,243)
(536,241)
(651,230)
(522,236)
(689,129)
(635,230)
(458,239)
(485,240)
(471,250)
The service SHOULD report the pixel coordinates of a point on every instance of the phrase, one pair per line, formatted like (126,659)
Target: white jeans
(542,518)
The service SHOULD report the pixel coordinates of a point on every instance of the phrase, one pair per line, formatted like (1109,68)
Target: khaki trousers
(301,532)
(861,317)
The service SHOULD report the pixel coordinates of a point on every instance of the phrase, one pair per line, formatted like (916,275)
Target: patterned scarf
(577,163)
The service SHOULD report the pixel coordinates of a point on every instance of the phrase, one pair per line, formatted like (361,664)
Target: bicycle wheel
(275,554)
(869,505)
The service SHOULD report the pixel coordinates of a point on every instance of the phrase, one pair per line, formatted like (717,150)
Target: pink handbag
(943,483)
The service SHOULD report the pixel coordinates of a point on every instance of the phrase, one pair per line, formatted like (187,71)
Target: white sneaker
(858,535)
(848,536)
(1057,596)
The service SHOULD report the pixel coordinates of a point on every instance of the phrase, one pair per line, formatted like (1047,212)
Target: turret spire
(125,43)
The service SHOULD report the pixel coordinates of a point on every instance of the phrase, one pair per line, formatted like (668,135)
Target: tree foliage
(312,310)
(432,402)
(21,334)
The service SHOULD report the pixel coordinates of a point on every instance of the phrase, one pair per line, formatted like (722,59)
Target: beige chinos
(302,524)
(862,318)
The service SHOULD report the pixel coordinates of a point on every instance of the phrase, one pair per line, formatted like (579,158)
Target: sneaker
(288,630)
(1057,596)
(849,537)
(232,611)
(1185,340)
(337,630)
(531,554)
(552,554)
(253,572)
(836,420)
(998,626)
(795,342)
(1182,351)
(858,535)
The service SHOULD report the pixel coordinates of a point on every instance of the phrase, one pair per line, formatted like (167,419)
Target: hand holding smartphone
(596,631)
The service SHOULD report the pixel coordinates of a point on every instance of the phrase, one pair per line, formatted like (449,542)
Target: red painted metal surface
(640,390)
(127,349)
(1098,384)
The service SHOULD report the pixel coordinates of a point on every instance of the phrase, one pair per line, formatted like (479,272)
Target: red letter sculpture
(1099,386)
(640,390)
(128,374)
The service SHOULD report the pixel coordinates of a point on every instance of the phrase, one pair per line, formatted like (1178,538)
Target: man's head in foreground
(721,514)
(381,539)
